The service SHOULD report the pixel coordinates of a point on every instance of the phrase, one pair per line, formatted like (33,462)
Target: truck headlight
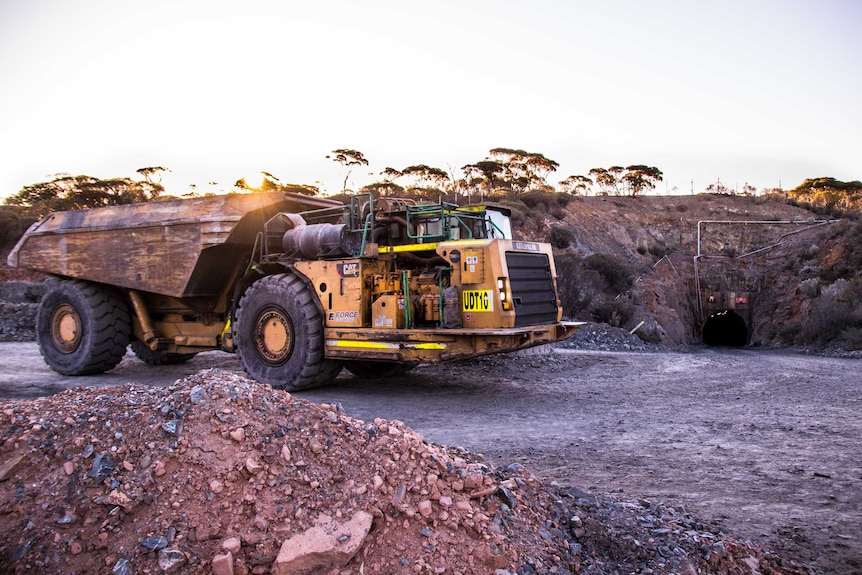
(503,290)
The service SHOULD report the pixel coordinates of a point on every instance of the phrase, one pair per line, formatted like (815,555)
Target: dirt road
(765,443)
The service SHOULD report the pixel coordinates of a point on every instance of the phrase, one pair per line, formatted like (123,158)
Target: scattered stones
(18,321)
(424,508)
(155,543)
(326,545)
(222,564)
(315,445)
(603,337)
(197,394)
(172,427)
(122,567)
(103,466)
(238,434)
(256,481)
(253,466)
(8,467)
(171,559)
(216,486)
(231,545)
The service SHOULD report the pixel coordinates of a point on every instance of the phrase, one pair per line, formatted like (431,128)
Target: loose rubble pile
(219,474)
(603,337)
(17,321)
(19,301)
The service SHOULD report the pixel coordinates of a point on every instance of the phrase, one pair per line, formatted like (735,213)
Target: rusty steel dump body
(298,286)
(177,248)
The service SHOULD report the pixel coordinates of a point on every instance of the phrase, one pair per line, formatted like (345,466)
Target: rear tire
(82,328)
(158,357)
(376,369)
(279,335)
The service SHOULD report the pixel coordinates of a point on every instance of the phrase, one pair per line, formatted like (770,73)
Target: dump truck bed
(177,248)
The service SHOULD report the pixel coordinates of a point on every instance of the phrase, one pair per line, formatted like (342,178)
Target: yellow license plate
(477,300)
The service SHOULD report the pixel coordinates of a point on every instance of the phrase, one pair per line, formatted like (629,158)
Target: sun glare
(254,181)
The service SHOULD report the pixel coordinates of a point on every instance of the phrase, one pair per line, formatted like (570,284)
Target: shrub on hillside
(852,338)
(545,199)
(615,313)
(650,332)
(809,287)
(836,291)
(658,249)
(577,287)
(853,293)
(808,272)
(618,276)
(829,319)
(561,237)
(557,212)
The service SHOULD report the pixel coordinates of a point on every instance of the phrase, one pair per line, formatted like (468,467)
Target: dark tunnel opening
(725,328)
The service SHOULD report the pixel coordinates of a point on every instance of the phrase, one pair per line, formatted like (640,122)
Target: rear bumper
(437,345)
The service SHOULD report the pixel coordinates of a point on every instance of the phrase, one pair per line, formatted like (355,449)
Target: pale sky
(758,91)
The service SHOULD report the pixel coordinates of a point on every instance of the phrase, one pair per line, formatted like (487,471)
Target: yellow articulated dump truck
(299,287)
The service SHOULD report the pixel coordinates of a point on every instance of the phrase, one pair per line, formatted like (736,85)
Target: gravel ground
(217,473)
(644,456)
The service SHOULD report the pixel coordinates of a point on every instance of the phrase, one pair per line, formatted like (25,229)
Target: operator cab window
(499,225)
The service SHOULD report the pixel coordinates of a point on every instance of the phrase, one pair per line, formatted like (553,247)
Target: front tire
(82,328)
(279,334)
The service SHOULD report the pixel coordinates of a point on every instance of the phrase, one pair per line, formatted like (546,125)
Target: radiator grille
(532,288)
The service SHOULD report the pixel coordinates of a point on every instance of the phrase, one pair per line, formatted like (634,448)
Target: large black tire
(82,328)
(158,357)
(279,335)
(376,369)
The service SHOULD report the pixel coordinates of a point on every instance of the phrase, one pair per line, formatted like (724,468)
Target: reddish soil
(149,480)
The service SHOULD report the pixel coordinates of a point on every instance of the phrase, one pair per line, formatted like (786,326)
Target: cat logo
(477,300)
(348,269)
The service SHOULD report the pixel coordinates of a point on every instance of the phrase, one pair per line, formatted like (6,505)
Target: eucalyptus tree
(383,189)
(347,158)
(523,170)
(605,180)
(153,175)
(67,192)
(424,175)
(484,176)
(639,178)
(576,185)
(634,179)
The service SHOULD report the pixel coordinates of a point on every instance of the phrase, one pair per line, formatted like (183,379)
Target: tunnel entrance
(725,328)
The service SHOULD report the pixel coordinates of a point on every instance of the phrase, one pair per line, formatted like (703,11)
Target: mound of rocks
(220,474)
(19,301)
(603,337)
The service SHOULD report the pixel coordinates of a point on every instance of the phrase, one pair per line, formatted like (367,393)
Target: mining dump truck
(299,287)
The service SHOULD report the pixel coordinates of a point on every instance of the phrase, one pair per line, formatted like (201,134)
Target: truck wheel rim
(66,328)
(274,336)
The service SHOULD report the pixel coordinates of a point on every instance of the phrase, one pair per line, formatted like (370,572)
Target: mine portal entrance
(725,328)
(732,263)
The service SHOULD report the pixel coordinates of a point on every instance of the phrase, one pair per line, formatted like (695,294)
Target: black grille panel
(532,288)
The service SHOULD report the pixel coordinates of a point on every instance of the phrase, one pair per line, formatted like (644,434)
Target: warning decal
(477,300)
